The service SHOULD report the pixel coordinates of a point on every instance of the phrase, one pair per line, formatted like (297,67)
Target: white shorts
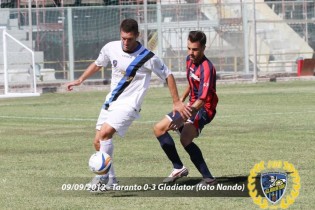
(119,117)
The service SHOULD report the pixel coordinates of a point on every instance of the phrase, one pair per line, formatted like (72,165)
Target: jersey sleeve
(159,68)
(206,75)
(103,58)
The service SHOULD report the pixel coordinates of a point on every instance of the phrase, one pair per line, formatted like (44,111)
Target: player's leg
(105,136)
(168,145)
(118,121)
(103,142)
(115,120)
(189,132)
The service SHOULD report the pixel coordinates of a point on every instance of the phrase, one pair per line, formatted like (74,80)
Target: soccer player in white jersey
(131,65)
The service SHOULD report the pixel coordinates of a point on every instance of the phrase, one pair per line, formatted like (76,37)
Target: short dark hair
(197,36)
(129,25)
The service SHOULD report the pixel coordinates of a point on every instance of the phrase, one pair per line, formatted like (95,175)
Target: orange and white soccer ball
(100,163)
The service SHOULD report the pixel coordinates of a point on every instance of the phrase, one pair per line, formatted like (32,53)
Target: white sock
(102,177)
(108,147)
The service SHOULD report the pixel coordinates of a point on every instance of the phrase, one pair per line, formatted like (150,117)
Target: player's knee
(158,129)
(105,134)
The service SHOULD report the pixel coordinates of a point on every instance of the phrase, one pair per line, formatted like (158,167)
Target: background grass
(46,141)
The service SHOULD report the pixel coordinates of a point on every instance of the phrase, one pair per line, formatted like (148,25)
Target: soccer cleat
(99,179)
(207,181)
(98,184)
(176,174)
(112,181)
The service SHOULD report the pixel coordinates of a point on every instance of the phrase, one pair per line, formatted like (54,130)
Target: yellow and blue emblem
(273,185)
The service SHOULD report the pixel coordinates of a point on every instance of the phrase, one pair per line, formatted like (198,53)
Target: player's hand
(184,111)
(70,85)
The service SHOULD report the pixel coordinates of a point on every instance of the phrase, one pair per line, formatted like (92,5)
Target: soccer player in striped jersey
(132,65)
(201,89)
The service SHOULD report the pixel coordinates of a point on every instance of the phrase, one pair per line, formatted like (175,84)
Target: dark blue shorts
(202,118)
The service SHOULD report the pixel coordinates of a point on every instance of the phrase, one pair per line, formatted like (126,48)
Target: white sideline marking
(144,122)
(265,114)
(62,119)
(48,118)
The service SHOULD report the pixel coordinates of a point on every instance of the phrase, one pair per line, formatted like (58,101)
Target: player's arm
(86,74)
(204,87)
(185,93)
(197,105)
(178,105)
(161,70)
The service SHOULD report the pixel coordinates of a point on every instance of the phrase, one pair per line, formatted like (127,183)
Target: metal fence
(67,39)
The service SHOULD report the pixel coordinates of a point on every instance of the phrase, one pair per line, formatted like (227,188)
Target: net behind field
(164,28)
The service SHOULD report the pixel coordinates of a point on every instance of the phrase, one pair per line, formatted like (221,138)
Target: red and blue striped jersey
(202,82)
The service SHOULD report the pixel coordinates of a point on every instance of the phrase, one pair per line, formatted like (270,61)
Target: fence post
(70,49)
(245,34)
(255,42)
(5,61)
(159,28)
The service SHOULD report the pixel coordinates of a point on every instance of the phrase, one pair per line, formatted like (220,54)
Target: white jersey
(131,73)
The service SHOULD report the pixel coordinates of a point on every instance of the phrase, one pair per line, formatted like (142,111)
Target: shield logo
(114,63)
(273,185)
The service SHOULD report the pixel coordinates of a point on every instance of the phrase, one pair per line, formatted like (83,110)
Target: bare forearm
(89,72)
(185,93)
(172,87)
(198,104)
(178,105)
(86,74)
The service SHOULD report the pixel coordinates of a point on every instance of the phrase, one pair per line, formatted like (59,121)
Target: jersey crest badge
(114,63)
(273,185)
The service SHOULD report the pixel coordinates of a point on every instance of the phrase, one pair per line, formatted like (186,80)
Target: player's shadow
(223,180)
(226,180)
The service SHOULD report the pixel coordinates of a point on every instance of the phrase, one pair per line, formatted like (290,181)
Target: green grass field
(46,142)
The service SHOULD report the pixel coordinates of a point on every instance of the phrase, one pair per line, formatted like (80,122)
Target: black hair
(197,36)
(129,25)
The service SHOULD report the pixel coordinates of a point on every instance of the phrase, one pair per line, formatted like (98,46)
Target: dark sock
(168,145)
(197,158)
